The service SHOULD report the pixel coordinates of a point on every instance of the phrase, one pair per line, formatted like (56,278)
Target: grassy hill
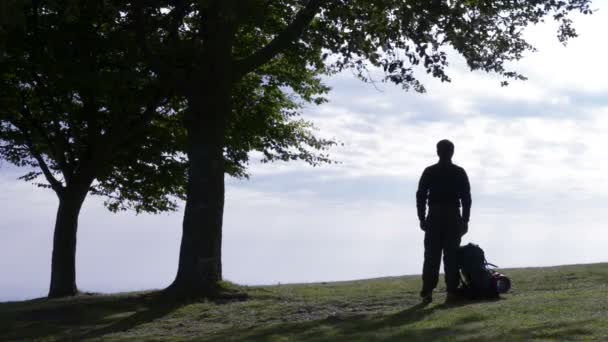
(562,303)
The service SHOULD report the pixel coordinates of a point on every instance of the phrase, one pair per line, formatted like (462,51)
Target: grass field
(557,303)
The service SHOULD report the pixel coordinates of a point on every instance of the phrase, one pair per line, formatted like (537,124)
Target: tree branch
(55,184)
(122,134)
(59,150)
(290,34)
(40,88)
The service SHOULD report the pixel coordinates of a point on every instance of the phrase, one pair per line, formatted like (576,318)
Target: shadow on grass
(402,326)
(150,311)
(346,326)
(80,317)
(84,318)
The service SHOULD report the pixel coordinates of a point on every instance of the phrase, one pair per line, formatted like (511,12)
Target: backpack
(477,280)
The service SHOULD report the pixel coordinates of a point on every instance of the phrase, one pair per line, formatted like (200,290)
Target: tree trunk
(63,266)
(199,267)
(209,101)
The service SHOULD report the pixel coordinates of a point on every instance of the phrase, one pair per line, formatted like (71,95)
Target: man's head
(445,150)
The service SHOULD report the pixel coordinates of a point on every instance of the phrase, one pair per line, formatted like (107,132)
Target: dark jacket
(444,184)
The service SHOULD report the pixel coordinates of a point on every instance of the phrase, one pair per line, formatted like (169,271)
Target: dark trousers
(444,227)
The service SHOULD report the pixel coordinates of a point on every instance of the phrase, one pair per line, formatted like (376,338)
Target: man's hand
(423,225)
(465,228)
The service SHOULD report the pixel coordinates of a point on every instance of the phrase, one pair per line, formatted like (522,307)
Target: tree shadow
(95,317)
(402,325)
(399,327)
(343,325)
(90,316)
(80,317)
(147,313)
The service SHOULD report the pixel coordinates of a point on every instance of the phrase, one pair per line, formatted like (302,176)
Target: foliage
(79,92)
(265,119)
(402,36)
(77,104)
(266,103)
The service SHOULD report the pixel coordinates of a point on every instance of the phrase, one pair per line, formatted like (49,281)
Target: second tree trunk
(63,264)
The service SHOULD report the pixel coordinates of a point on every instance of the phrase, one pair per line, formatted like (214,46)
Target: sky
(534,152)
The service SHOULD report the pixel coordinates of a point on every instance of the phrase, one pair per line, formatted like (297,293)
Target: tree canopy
(78,105)
(75,84)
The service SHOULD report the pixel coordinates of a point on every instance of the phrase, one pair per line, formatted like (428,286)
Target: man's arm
(465,197)
(421,196)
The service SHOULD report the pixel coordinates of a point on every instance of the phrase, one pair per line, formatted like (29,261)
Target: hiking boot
(427,298)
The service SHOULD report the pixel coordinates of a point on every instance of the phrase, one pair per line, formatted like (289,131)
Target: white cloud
(580,65)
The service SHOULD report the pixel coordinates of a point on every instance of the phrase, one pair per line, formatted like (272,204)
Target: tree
(79,108)
(219,43)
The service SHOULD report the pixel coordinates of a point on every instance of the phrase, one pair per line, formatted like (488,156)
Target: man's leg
(432,260)
(451,243)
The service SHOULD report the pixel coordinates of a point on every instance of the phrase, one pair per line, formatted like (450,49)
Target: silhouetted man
(444,186)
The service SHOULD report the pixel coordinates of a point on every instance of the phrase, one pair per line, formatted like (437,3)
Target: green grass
(557,303)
